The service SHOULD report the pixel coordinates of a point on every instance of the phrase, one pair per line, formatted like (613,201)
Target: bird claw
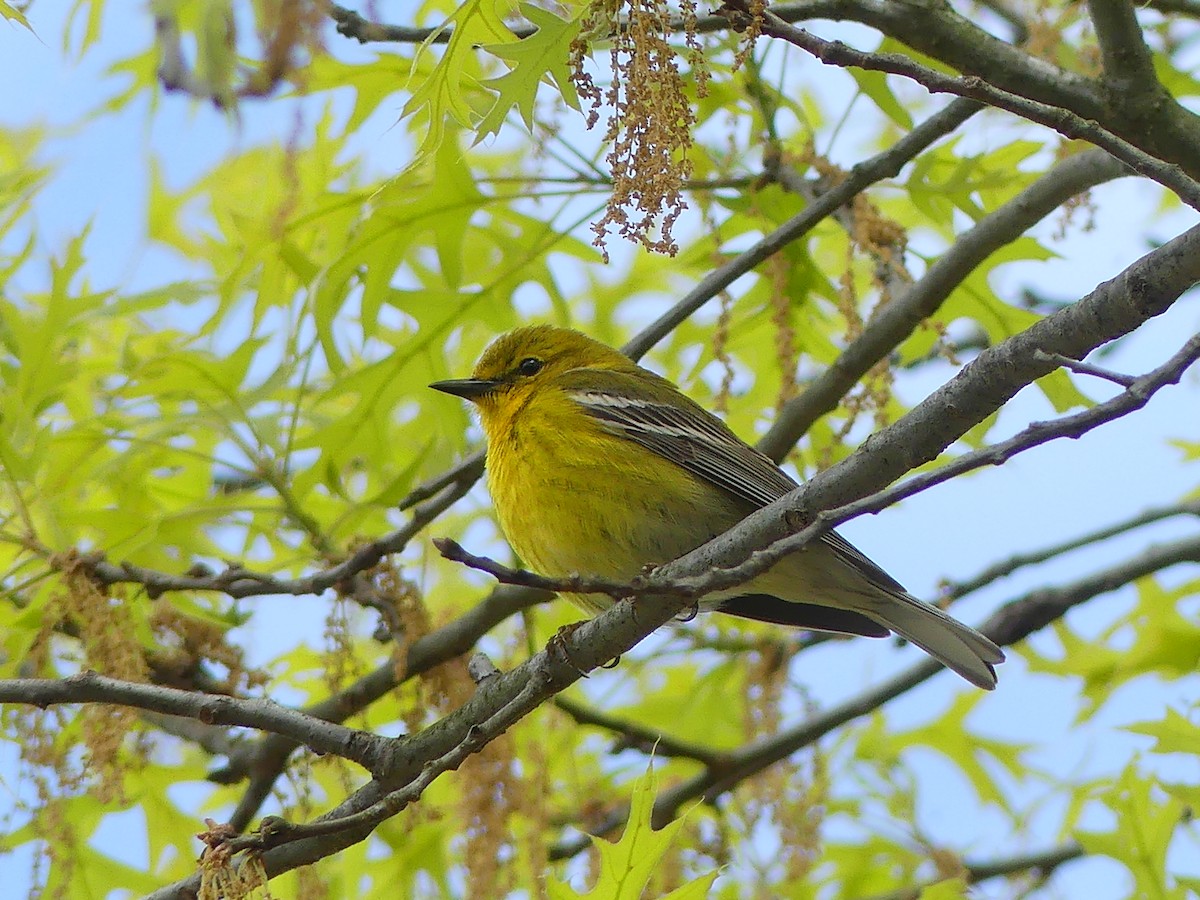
(557,645)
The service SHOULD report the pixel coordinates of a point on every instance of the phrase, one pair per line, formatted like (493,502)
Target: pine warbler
(597,466)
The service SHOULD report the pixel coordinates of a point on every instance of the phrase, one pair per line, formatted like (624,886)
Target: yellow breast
(573,498)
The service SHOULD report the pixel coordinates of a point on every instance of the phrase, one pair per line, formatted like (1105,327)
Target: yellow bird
(600,467)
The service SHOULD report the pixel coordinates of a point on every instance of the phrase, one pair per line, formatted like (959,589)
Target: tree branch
(1063,120)
(264,759)
(266,715)
(1145,289)
(1009,625)
(901,317)
(463,475)
(1183,7)
(1044,863)
(995,572)
(237,581)
(718,576)
(498,702)
(1130,82)
(879,167)
(634,736)
(352,25)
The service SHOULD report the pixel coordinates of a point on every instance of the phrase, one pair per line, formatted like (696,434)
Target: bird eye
(531,365)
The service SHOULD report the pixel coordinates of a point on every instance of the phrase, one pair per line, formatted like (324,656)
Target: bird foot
(557,646)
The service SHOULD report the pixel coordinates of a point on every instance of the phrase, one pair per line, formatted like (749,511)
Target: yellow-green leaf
(541,54)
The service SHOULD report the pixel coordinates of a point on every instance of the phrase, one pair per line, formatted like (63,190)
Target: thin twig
(879,167)
(570,584)
(1042,864)
(1085,368)
(955,590)
(237,581)
(631,735)
(1059,119)
(466,472)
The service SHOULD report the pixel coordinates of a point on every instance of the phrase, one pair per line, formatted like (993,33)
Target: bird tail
(947,640)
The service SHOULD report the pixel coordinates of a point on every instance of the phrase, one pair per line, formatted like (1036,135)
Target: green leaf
(696,889)
(1061,390)
(1178,82)
(950,736)
(413,851)
(216,55)
(372,82)
(875,85)
(950,889)
(1146,820)
(1173,734)
(533,58)
(90,32)
(12,14)
(441,94)
(627,865)
(457,198)
(1191,886)
(701,705)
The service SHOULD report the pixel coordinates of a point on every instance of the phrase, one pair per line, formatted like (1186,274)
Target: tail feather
(947,640)
(765,608)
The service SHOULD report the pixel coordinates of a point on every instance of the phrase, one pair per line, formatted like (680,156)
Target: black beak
(467,388)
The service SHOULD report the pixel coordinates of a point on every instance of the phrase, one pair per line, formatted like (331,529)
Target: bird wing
(679,429)
(687,435)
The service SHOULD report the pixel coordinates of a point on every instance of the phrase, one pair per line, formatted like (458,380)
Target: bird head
(520,362)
